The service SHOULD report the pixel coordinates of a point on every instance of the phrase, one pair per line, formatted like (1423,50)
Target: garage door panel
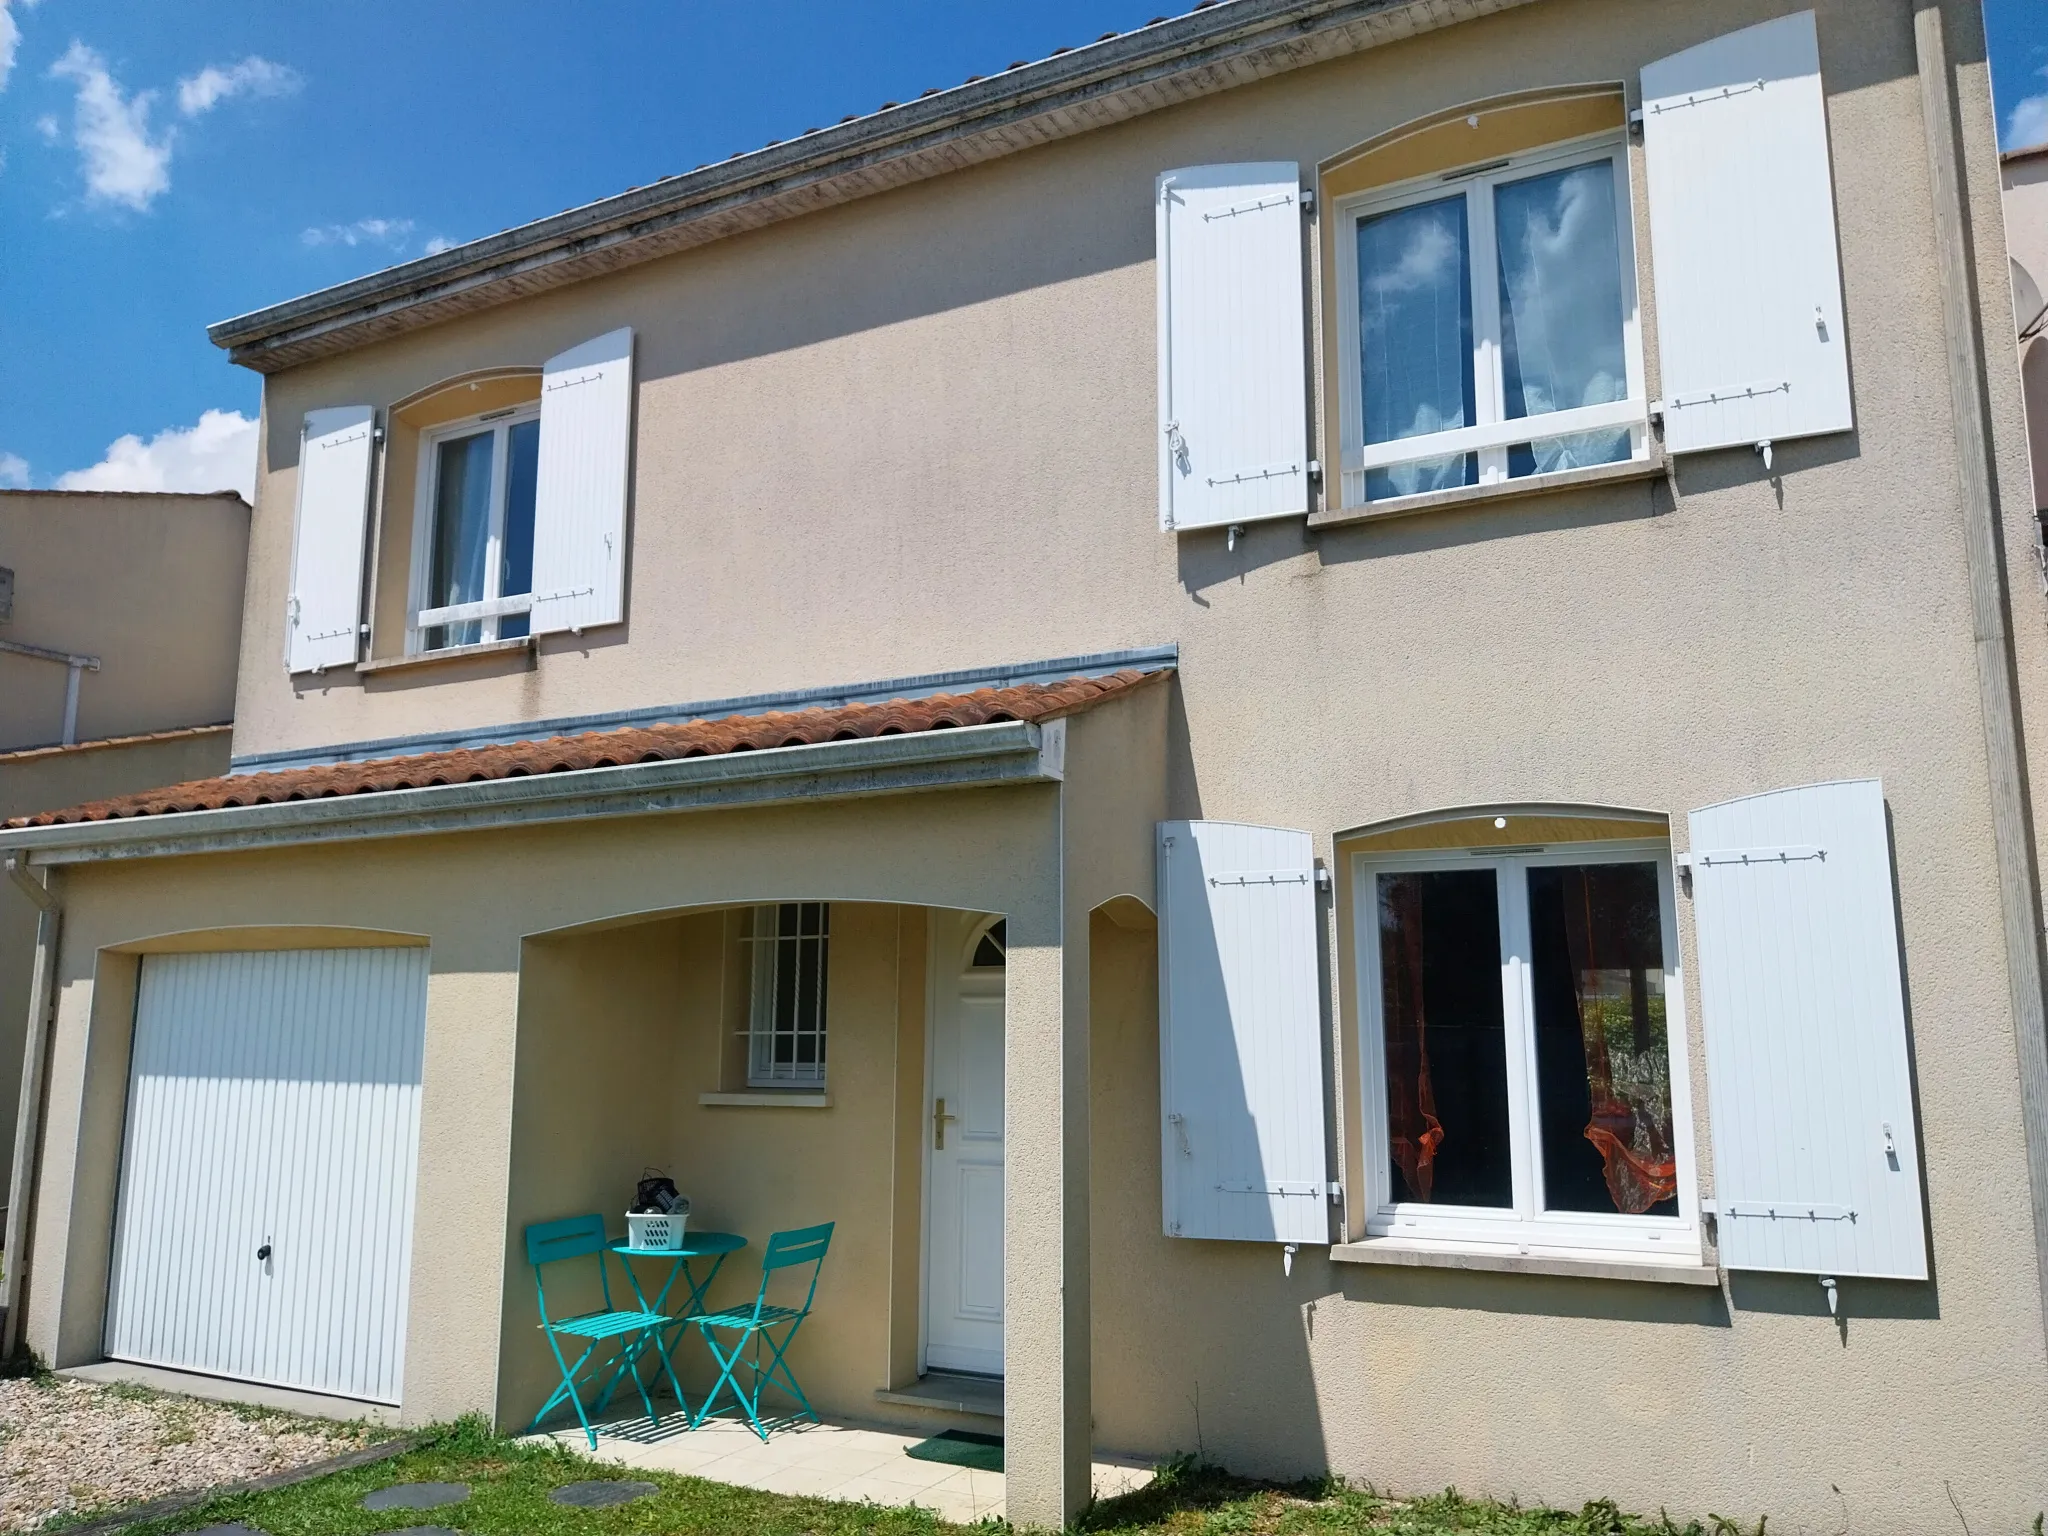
(274,1101)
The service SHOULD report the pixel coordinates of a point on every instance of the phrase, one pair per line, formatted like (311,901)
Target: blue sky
(170,165)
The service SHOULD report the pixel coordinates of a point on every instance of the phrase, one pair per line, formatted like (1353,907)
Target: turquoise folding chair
(632,1330)
(755,1325)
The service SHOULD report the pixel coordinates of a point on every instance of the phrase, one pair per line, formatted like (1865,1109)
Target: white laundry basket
(657,1231)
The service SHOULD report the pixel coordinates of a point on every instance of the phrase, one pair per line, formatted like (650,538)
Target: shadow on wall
(1201,1348)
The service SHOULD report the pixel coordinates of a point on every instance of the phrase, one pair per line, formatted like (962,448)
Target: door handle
(940,1119)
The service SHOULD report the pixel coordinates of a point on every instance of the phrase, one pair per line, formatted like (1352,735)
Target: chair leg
(778,1363)
(568,1388)
(727,1364)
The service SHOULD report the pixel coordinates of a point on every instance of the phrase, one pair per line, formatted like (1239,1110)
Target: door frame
(936,976)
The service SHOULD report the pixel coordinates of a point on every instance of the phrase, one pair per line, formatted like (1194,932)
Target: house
(116,675)
(1324,712)
(2024,175)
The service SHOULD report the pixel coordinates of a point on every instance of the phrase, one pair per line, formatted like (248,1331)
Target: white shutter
(1240,1036)
(579,515)
(324,613)
(1816,1165)
(1233,401)
(1742,236)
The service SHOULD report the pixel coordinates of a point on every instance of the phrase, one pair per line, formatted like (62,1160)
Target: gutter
(1011,752)
(1110,81)
(35,1059)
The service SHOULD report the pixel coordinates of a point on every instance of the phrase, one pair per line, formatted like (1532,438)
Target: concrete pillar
(1046,1397)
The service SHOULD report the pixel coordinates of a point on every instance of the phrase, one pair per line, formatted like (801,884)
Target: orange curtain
(1630,1125)
(1413,1130)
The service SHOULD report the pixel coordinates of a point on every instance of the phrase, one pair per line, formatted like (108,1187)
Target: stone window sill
(1386,1250)
(767,1099)
(442,657)
(1651,468)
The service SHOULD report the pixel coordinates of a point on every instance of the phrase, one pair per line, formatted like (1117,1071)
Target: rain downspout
(34,1058)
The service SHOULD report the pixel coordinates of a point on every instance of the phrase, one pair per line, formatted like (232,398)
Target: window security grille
(786,1022)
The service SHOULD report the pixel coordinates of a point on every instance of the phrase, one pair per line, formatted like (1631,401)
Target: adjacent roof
(102,743)
(1119,76)
(1031,703)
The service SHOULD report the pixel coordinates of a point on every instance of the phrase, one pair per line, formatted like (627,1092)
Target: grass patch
(510,1483)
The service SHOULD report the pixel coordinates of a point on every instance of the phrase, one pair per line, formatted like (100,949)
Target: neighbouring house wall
(151,584)
(44,779)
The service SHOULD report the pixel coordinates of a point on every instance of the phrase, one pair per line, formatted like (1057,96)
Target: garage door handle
(263,1253)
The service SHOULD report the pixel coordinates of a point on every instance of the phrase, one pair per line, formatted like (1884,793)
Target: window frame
(813,1078)
(1525,1227)
(1495,432)
(493,605)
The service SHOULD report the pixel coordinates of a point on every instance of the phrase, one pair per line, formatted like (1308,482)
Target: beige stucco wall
(151,584)
(918,432)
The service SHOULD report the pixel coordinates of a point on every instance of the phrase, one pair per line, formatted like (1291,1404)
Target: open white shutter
(579,512)
(324,612)
(1233,401)
(1742,236)
(1816,1166)
(1240,1035)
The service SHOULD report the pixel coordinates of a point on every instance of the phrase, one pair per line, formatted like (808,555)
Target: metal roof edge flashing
(1206,50)
(919,686)
(1008,752)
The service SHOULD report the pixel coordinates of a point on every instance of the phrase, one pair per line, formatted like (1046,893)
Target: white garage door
(265,1221)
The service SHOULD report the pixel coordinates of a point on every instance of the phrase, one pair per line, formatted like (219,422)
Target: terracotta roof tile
(611,749)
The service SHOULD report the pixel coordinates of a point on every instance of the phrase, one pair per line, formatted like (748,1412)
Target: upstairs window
(1490,324)
(474,555)
(789,943)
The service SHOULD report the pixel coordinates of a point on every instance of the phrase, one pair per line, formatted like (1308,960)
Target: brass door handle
(939,1121)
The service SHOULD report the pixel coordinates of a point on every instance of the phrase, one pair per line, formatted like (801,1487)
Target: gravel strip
(70,1446)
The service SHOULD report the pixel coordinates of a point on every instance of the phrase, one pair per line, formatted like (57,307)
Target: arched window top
(991,948)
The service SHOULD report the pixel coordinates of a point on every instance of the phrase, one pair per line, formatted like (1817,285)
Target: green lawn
(510,1483)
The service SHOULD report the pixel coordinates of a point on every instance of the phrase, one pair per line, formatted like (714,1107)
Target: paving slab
(601,1494)
(416,1496)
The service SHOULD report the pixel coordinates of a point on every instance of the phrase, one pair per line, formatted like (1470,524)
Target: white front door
(264,1230)
(964,1148)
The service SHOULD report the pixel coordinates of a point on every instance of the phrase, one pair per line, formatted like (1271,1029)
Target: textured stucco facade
(917,432)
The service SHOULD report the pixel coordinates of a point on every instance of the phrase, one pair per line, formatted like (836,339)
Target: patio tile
(802,1480)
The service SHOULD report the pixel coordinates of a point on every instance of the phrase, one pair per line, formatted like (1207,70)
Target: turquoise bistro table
(695,1245)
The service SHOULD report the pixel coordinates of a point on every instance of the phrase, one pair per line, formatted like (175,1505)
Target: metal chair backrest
(551,1242)
(790,1250)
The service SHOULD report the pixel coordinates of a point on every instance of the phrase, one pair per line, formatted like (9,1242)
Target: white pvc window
(1491,330)
(473,547)
(1523,1050)
(789,945)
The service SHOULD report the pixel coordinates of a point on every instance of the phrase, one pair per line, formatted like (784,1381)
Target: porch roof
(989,735)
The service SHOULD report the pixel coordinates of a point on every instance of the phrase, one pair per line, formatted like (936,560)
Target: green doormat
(961,1448)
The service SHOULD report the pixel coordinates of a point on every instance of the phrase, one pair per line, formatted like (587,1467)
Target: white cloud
(218,454)
(2027,125)
(122,162)
(440,243)
(10,42)
(252,77)
(13,472)
(47,126)
(390,232)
